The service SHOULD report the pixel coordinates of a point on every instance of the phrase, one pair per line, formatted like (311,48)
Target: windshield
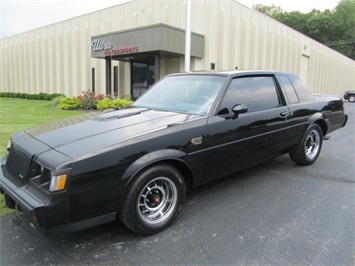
(191,93)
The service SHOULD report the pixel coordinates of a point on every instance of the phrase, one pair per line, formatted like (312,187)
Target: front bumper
(49,213)
(26,201)
(42,208)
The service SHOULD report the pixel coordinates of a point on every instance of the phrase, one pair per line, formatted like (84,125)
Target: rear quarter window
(304,94)
(289,89)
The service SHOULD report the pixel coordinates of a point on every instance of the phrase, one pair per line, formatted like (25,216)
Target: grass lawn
(18,114)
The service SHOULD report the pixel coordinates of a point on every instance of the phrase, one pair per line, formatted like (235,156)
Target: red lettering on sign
(123,50)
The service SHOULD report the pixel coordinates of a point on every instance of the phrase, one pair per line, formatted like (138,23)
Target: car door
(238,140)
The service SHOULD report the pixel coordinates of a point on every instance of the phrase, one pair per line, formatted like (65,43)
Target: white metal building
(126,48)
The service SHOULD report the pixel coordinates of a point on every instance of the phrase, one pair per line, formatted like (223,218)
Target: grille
(17,164)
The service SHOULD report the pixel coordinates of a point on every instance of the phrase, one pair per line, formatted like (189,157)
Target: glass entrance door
(142,75)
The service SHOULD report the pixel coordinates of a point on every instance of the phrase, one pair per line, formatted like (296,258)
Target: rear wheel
(153,199)
(308,150)
(351,98)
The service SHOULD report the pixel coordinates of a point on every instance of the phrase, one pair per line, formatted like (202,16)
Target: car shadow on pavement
(91,246)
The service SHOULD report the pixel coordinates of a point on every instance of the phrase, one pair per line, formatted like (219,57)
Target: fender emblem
(196,141)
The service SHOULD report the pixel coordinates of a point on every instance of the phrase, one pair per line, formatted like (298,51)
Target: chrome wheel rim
(157,200)
(312,144)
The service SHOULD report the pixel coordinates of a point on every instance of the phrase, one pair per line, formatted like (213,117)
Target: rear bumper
(346,120)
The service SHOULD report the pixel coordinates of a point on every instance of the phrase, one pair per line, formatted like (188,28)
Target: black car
(350,96)
(136,164)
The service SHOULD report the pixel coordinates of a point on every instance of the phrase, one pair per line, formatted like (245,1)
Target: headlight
(57,182)
(9,145)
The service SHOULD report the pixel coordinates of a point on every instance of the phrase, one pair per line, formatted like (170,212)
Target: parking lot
(275,213)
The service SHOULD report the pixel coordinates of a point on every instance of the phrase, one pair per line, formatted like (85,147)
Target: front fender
(151,158)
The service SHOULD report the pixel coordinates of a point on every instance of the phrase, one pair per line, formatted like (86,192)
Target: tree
(334,28)
(268,10)
(344,28)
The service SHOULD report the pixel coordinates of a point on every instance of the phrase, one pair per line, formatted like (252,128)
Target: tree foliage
(334,28)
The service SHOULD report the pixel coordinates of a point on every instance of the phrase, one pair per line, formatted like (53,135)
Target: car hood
(75,135)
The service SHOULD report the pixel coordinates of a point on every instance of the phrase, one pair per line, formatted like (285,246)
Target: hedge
(87,101)
(40,96)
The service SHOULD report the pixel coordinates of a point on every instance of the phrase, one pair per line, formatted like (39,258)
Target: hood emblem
(196,141)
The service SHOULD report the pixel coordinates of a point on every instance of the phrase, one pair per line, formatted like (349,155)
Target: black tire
(308,150)
(153,199)
(351,98)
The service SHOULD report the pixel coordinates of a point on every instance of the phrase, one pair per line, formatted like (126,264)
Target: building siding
(57,58)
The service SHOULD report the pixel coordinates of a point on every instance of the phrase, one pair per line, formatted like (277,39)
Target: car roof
(228,72)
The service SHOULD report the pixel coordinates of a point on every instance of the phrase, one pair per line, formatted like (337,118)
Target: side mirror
(239,109)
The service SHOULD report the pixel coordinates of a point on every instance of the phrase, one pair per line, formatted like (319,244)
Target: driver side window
(258,92)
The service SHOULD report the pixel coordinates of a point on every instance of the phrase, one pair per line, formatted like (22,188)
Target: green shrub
(127,97)
(55,95)
(55,102)
(32,97)
(42,96)
(119,103)
(105,103)
(72,103)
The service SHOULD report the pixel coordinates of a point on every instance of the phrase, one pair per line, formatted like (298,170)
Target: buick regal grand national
(136,164)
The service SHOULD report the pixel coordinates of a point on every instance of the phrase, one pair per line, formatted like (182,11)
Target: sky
(17,16)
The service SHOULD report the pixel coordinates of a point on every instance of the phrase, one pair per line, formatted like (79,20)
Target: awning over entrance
(143,48)
(162,39)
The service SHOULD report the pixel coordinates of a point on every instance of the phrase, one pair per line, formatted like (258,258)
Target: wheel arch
(319,120)
(172,157)
(323,125)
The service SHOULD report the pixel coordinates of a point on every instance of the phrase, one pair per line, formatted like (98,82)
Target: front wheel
(153,199)
(308,150)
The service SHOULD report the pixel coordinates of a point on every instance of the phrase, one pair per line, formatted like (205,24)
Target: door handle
(284,114)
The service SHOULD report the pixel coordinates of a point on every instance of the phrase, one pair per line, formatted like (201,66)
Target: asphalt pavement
(275,213)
